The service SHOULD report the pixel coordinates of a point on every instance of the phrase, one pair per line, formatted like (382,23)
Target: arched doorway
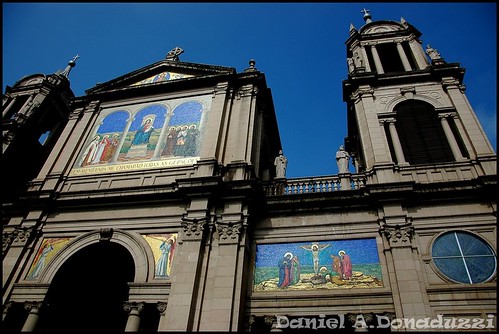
(88,291)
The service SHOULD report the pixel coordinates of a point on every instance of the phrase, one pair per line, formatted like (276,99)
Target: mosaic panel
(335,264)
(163,248)
(155,136)
(163,76)
(45,253)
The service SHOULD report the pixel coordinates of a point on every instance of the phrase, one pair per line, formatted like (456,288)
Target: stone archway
(88,291)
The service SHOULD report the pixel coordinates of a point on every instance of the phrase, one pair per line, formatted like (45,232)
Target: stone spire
(71,64)
(367,16)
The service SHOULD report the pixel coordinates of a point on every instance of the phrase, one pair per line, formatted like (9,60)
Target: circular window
(464,257)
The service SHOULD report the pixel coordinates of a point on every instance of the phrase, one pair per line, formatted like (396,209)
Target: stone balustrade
(319,184)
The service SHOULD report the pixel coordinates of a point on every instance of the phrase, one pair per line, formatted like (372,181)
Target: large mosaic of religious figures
(155,136)
(337,264)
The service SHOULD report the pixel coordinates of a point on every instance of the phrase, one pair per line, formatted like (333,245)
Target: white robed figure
(164,261)
(40,264)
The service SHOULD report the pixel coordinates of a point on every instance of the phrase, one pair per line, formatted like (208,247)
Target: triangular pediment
(162,72)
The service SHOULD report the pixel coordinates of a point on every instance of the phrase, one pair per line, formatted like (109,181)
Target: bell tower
(35,110)
(408,115)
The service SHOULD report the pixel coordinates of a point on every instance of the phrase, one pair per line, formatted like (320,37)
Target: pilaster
(188,265)
(405,273)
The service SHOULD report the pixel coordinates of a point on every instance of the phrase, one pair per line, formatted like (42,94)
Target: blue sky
(299,46)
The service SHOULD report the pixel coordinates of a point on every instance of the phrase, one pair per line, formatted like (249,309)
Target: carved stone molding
(408,92)
(76,113)
(361,92)
(105,234)
(133,306)
(32,307)
(245,91)
(450,83)
(161,306)
(19,237)
(193,229)
(251,321)
(447,115)
(229,232)
(270,319)
(93,106)
(221,88)
(7,239)
(398,235)
(382,121)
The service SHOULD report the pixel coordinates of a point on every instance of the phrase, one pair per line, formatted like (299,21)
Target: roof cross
(174,53)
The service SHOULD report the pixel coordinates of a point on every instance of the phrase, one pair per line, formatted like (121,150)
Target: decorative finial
(367,16)
(71,64)
(251,67)
(174,53)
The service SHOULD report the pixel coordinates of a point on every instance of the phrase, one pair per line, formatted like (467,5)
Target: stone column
(397,146)
(418,53)
(28,101)
(405,276)
(69,128)
(375,151)
(16,243)
(7,108)
(80,119)
(366,59)
(450,137)
(133,322)
(474,130)
(186,273)
(33,308)
(6,309)
(225,274)
(377,60)
(403,56)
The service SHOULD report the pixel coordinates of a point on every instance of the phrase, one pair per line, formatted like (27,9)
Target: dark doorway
(88,291)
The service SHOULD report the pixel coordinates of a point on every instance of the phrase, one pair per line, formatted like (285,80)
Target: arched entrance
(88,291)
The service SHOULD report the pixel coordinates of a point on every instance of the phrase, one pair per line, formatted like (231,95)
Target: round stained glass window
(463,257)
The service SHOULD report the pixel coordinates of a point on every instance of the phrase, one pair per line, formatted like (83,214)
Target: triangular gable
(160,72)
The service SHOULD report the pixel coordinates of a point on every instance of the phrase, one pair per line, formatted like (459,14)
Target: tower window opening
(16,107)
(370,58)
(421,134)
(390,58)
(43,138)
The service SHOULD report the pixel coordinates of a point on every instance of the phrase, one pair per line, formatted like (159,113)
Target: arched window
(421,135)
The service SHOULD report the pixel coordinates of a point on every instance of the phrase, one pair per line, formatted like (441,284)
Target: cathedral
(159,201)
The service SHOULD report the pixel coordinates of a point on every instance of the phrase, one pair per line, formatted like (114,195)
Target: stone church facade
(152,202)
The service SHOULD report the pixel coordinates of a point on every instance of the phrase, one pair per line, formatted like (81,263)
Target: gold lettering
(133,166)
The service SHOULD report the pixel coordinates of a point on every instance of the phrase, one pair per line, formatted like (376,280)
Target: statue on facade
(280,163)
(342,158)
(433,53)
(351,66)
(357,60)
